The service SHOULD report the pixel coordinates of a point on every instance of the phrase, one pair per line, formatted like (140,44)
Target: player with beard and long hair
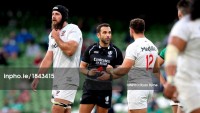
(64,51)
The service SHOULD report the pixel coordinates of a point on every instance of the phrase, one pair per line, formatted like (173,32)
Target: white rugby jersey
(189,60)
(63,64)
(144,53)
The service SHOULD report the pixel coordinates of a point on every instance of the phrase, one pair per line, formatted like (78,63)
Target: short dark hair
(138,25)
(98,29)
(183,6)
(195,8)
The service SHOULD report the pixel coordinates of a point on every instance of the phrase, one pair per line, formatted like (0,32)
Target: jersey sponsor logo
(150,48)
(96,51)
(100,61)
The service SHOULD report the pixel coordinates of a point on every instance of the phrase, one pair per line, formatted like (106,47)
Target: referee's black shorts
(97,93)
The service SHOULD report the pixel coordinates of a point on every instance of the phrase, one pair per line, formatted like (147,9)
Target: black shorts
(99,97)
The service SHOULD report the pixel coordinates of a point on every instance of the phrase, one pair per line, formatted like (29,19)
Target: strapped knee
(61,104)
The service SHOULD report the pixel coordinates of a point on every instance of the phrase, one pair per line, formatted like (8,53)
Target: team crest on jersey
(63,32)
(110,53)
(107,100)
(54,45)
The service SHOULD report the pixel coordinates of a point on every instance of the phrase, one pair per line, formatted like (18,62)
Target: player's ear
(131,30)
(98,35)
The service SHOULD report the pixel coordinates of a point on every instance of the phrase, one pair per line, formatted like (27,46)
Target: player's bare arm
(124,68)
(161,61)
(156,67)
(156,70)
(45,64)
(69,47)
(178,42)
(179,45)
(176,45)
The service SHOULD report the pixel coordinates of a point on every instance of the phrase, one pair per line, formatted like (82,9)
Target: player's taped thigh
(65,106)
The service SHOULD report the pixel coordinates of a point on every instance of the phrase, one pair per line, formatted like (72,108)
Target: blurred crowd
(14,101)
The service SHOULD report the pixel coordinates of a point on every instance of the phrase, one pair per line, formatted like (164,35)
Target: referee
(95,60)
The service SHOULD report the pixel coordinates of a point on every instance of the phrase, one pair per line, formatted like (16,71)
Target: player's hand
(55,33)
(93,72)
(175,97)
(34,84)
(104,76)
(165,85)
(169,91)
(109,68)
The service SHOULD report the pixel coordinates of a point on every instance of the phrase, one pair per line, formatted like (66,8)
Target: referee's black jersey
(99,57)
